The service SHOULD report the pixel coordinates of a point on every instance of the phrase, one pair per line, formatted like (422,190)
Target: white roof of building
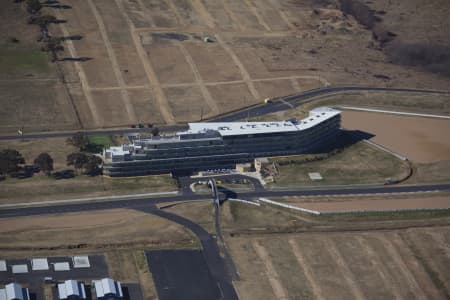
(107,286)
(117,150)
(14,291)
(39,264)
(3,267)
(61,266)
(315,176)
(71,288)
(18,269)
(81,262)
(315,117)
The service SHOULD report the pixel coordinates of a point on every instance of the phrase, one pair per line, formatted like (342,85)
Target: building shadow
(225,194)
(344,139)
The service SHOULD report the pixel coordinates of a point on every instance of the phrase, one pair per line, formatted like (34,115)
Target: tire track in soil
(274,278)
(316,290)
(114,63)
(345,271)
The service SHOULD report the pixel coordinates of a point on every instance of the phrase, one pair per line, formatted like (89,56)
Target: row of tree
(51,44)
(12,161)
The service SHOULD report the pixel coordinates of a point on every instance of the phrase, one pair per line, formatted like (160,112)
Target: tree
(45,162)
(53,45)
(90,163)
(79,140)
(33,6)
(92,166)
(10,160)
(155,131)
(77,159)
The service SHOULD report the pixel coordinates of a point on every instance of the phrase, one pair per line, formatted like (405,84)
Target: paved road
(285,103)
(144,202)
(301,98)
(119,131)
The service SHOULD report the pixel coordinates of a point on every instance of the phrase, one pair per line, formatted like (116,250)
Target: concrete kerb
(314,212)
(244,201)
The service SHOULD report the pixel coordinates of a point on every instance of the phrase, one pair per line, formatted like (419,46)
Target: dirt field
(43,188)
(146,61)
(420,139)
(402,264)
(97,230)
(379,204)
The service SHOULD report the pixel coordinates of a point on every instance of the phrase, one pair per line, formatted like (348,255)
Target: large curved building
(222,145)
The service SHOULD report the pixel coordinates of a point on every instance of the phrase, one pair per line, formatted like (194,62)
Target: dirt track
(379,204)
(422,140)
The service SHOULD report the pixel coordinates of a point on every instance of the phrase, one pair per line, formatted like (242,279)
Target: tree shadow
(55,4)
(80,59)
(72,38)
(58,21)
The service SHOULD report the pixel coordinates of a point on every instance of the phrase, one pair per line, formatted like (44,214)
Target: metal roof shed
(19,269)
(3,267)
(38,264)
(108,289)
(81,262)
(61,266)
(14,291)
(71,289)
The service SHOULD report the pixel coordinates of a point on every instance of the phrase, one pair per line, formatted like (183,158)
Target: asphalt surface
(283,103)
(182,274)
(294,100)
(145,202)
(210,252)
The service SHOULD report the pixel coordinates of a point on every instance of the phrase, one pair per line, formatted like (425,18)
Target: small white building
(39,264)
(71,289)
(81,262)
(14,291)
(61,266)
(107,288)
(19,269)
(3,267)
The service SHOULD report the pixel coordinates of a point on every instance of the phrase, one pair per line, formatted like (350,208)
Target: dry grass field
(358,163)
(90,231)
(147,61)
(371,203)
(401,264)
(281,254)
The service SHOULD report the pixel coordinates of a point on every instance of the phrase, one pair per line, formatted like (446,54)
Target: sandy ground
(420,139)
(379,204)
